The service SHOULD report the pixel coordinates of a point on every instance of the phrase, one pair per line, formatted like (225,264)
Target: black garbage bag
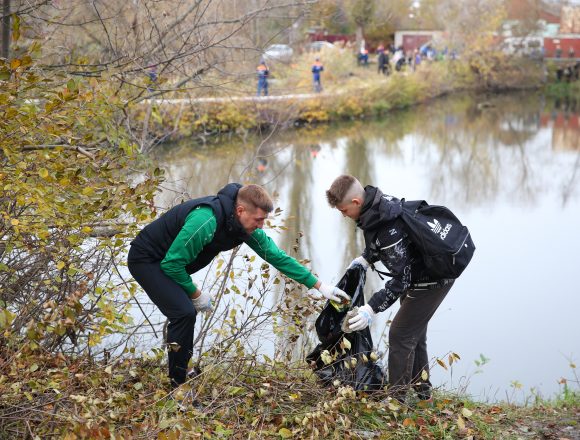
(352,366)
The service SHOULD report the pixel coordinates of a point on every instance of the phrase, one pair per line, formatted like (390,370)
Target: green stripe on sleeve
(265,247)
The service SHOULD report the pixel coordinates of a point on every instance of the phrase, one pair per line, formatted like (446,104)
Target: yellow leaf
(87,229)
(424,375)
(26,60)
(14,222)
(394,406)
(460,423)
(466,413)
(88,191)
(440,362)
(60,265)
(408,422)
(262,392)
(6,318)
(346,343)
(43,172)
(285,433)
(15,63)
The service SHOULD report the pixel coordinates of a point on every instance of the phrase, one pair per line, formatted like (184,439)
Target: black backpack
(444,243)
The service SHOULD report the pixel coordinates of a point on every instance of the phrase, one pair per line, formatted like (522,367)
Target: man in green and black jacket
(187,238)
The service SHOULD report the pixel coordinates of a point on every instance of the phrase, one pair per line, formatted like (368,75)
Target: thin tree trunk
(359,38)
(6,29)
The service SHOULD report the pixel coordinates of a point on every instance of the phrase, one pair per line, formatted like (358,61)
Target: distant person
(262,73)
(382,62)
(559,73)
(364,57)
(571,53)
(317,68)
(417,59)
(399,60)
(314,150)
(262,165)
(152,75)
(568,73)
(420,293)
(187,238)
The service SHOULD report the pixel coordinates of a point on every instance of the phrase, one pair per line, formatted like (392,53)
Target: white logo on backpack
(438,229)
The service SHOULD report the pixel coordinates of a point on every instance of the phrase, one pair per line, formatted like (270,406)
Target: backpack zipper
(462,243)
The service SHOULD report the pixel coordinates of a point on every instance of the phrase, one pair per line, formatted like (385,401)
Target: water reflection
(564,121)
(508,166)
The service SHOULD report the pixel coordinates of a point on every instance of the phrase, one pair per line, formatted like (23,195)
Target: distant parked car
(278,52)
(317,46)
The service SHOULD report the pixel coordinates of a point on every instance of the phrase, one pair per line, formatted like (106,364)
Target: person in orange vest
(317,67)
(262,72)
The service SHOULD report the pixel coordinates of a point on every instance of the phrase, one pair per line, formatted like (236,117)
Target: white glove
(360,260)
(332,293)
(203,303)
(363,319)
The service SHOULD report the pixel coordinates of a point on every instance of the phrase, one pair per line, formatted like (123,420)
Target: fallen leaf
(285,433)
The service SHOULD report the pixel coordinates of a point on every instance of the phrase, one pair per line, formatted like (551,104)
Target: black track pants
(408,341)
(174,303)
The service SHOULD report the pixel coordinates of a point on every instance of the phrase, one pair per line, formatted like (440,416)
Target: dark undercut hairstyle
(254,196)
(340,189)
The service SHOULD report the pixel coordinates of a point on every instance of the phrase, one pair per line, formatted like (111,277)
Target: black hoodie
(386,240)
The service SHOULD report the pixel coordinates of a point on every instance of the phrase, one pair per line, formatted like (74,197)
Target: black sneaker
(194,372)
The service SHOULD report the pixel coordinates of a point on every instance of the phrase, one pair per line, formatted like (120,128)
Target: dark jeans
(263,85)
(174,303)
(408,341)
(317,85)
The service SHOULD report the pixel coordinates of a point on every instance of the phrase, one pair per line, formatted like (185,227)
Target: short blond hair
(254,196)
(343,187)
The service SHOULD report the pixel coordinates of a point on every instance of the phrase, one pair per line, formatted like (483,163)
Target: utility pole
(5,29)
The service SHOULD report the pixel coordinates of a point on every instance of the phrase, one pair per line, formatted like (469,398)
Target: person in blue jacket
(317,67)
(262,73)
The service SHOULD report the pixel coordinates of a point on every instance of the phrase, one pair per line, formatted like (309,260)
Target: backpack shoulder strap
(410,207)
(380,273)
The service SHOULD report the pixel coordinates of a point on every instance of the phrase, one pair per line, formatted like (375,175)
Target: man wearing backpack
(387,240)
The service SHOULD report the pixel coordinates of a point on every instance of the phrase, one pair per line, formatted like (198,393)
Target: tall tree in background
(330,16)
(361,12)
(5,29)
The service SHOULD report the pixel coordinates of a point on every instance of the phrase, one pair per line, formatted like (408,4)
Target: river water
(508,166)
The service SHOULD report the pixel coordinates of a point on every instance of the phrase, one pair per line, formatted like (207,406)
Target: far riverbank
(359,96)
